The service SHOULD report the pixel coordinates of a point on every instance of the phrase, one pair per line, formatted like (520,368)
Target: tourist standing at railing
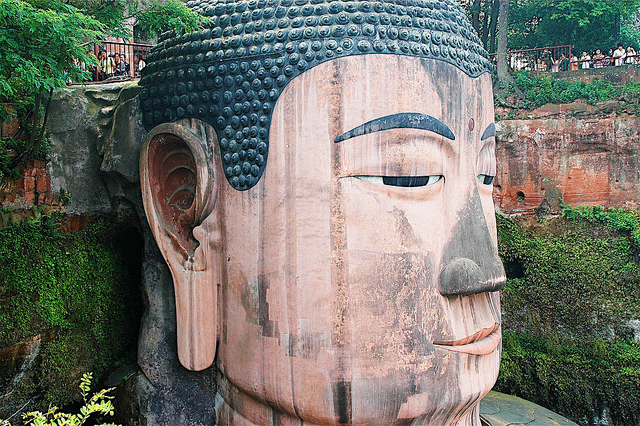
(574,63)
(619,55)
(585,60)
(541,65)
(546,58)
(563,63)
(598,59)
(119,67)
(631,55)
(141,64)
(106,66)
(608,60)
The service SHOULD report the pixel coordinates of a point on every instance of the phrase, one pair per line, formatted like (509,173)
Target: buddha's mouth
(483,342)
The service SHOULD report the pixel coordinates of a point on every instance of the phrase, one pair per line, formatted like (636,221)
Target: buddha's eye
(405,181)
(485,179)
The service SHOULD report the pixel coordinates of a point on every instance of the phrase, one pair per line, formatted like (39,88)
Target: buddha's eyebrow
(403,120)
(489,132)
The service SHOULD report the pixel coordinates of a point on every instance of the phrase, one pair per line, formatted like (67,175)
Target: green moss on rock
(573,286)
(84,285)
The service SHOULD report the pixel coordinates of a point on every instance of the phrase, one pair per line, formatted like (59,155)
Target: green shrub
(82,287)
(545,88)
(573,285)
(578,380)
(99,403)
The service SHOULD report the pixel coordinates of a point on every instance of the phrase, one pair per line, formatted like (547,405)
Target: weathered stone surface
(167,392)
(577,153)
(18,364)
(96,135)
(122,146)
(503,410)
(75,128)
(327,272)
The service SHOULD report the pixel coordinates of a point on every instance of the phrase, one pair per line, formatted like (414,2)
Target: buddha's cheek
(395,311)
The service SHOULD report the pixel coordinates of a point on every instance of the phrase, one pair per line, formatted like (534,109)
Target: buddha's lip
(482,342)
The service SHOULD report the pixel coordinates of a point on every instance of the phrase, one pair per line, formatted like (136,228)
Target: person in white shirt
(585,61)
(619,55)
(631,55)
(141,64)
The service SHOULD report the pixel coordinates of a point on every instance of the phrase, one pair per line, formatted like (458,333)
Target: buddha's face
(359,277)
(357,281)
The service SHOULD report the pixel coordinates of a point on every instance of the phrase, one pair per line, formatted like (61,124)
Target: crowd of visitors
(547,61)
(115,65)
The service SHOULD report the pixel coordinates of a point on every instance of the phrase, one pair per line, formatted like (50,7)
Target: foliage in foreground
(79,287)
(98,403)
(573,286)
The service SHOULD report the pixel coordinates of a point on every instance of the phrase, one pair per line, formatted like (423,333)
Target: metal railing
(539,59)
(551,59)
(129,53)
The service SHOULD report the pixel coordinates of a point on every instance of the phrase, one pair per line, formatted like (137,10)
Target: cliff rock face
(96,134)
(575,153)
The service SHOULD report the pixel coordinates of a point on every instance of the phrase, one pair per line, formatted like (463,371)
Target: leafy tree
(170,15)
(503,67)
(484,19)
(152,16)
(585,24)
(42,47)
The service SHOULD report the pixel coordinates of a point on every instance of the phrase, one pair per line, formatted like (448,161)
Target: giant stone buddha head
(318,175)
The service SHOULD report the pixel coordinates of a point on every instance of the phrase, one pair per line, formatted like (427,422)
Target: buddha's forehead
(353,90)
(231,73)
(350,97)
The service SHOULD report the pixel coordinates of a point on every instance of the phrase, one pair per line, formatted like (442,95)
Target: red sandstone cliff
(577,153)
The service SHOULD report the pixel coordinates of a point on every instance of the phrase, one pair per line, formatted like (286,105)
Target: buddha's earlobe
(179,191)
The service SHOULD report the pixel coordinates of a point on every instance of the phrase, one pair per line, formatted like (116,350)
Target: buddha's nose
(470,259)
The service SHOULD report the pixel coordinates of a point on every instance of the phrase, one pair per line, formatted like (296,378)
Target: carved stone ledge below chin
(499,409)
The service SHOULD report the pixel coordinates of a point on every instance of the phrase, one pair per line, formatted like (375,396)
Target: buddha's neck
(236,408)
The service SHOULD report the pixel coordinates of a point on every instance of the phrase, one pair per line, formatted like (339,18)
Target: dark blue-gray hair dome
(232,72)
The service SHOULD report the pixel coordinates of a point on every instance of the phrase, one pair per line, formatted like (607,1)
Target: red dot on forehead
(472,124)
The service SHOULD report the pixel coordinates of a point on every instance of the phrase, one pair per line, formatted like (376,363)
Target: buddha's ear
(179,190)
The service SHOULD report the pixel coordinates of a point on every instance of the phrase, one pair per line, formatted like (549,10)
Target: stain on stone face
(395,302)
(342,401)
(471,261)
(269,328)
(256,306)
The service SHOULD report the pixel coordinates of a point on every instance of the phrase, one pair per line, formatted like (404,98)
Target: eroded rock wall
(96,161)
(96,133)
(574,153)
